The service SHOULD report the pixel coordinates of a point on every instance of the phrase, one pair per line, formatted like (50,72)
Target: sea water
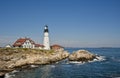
(107,67)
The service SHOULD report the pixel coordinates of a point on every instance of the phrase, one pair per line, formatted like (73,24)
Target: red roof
(21,41)
(56,45)
(38,45)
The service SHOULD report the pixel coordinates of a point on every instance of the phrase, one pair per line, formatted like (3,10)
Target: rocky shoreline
(11,58)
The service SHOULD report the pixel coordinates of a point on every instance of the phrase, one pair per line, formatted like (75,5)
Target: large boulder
(82,56)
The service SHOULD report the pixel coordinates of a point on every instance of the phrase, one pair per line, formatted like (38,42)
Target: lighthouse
(46,39)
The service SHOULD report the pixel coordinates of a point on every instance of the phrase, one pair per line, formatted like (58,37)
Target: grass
(9,51)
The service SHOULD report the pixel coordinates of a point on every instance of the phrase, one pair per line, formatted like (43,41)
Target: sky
(71,23)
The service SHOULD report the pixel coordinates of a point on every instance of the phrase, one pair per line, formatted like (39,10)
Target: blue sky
(72,23)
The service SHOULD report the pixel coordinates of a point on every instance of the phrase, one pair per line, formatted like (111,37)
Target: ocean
(107,67)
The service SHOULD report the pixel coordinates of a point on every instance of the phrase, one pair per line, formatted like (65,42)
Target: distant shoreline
(91,47)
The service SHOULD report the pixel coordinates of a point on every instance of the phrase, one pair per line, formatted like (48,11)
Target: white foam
(77,62)
(14,71)
(33,66)
(53,66)
(74,62)
(57,62)
(11,74)
(8,75)
(98,58)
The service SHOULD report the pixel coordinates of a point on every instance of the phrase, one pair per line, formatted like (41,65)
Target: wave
(33,66)
(98,58)
(8,75)
(53,66)
(76,62)
(11,74)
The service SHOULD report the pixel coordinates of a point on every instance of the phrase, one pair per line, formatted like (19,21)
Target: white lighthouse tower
(46,39)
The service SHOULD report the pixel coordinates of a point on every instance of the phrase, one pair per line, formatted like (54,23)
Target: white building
(26,43)
(46,39)
(8,46)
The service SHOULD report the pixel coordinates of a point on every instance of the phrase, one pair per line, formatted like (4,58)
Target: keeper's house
(27,43)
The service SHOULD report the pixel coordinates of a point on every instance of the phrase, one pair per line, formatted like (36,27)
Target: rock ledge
(10,58)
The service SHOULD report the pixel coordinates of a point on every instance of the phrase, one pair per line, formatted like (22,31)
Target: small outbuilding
(8,46)
(57,47)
